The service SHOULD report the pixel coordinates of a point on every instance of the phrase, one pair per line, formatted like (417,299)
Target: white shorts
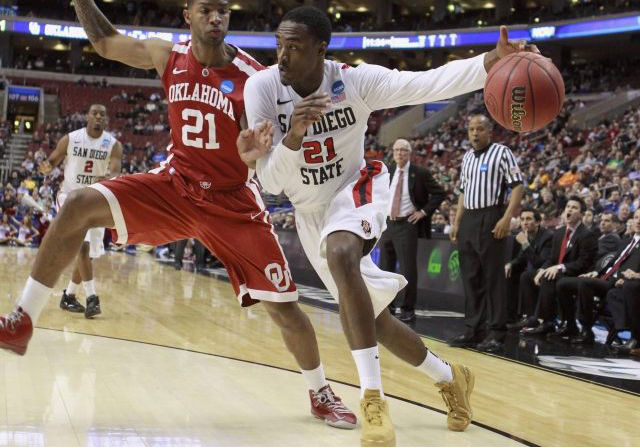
(94,236)
(361,208)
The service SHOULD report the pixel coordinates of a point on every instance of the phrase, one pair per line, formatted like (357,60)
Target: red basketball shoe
(330,408)
(15,331)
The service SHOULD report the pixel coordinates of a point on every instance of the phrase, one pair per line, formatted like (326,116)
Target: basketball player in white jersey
(91,154)
(318,109)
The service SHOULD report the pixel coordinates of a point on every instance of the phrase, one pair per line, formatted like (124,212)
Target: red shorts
(233,224)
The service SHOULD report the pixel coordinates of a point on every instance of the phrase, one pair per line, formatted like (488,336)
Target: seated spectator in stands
(569,178)
(46,190)
(7,232)
(26,232)
(39,156)
(634,173)
(609,240)
(624,214)
(29,163)
(532,247)
(14,179)
(588,219)
(438,223)
(573,252)
(613,202)
(9,201)
(29,183)
(548,205)
(599,282)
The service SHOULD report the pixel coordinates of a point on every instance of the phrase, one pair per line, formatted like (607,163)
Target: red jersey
(205,109)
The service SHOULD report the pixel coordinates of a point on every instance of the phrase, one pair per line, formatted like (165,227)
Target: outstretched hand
(255,143)
(505,47)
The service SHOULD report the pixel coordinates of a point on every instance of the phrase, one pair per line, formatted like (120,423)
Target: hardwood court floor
(143,373)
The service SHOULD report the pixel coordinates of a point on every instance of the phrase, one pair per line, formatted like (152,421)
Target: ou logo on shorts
(280,279)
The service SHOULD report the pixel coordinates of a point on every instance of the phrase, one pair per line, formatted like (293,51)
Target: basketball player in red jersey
(203,190)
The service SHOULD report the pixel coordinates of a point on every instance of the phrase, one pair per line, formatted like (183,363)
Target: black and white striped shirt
(486,174)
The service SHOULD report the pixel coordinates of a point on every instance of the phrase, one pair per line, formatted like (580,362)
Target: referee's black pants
(399,243)
(482,259)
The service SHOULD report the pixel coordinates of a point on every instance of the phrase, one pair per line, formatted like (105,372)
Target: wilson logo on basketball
(518,98)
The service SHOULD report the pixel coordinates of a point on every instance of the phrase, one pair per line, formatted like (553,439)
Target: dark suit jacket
(581,253)
(608,243)
(631,262)
(537,252)
(426,194)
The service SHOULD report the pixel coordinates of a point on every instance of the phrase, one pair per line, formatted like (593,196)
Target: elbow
(101,48)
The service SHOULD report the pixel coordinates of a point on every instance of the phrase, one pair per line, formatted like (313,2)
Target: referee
(480,228)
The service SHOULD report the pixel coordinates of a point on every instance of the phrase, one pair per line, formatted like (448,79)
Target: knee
(344,259)
(79,208)
(287,315)
(84,250)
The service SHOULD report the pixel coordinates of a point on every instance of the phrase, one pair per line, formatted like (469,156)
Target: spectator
(533,245)
(609,240)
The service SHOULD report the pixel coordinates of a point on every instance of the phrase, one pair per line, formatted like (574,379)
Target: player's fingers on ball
(534,49)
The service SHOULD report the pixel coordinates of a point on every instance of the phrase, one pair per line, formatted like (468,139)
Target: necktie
(563,248)
(397,196)
(612,270)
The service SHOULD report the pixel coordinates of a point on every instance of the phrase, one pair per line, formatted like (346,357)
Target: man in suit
(534,246)
(415,196)
(624,304)
(573,252)
(609,240)
(610,276)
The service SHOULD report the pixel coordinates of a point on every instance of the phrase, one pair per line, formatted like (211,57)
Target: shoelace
(449,398)
(333,402)
(373,412)
(11,319)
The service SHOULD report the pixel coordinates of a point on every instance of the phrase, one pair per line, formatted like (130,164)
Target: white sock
(89,287)
(368,365)
(34,298)
(315,378)
(72,288)
(436,368)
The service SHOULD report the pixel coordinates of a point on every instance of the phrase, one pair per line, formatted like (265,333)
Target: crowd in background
(599,164)
(403,18)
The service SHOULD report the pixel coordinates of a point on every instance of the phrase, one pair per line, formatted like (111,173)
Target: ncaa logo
(280,279)
(337,88)
(227,86)
(205,185)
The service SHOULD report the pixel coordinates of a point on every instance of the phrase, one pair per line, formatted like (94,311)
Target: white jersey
(5,231)
(332,153)
(87,159)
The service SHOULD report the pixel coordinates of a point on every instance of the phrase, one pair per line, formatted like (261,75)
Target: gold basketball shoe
(456,395)
(377,427)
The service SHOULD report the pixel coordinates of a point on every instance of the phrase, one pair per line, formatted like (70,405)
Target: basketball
(524,91)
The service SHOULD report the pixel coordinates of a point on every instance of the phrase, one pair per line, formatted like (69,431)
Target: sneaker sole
(92,315)
(71,310)
(391,442)
(341,424)
(18,350)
